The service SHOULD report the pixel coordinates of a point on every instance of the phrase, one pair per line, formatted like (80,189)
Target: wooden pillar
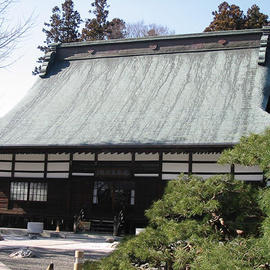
(96,163)
(160,189)
(45,166)
(12,178)
(69,191)
(132,164)
(232,171)
(160,165)
(190,163)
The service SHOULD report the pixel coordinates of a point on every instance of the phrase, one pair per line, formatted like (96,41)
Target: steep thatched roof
(189,89)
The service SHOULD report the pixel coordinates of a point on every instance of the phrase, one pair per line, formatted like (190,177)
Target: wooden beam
(185,148)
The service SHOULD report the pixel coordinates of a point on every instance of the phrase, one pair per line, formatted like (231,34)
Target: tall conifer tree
(63,27)
(231,17)
(255,19)
(99,28)
(96,28)
(228,17)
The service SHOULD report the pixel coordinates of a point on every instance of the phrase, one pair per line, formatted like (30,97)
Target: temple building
(108,123)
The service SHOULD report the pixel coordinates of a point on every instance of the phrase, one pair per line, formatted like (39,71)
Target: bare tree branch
(140,29)
(10,35)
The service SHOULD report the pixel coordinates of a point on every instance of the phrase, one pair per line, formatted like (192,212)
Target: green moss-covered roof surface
(200,97)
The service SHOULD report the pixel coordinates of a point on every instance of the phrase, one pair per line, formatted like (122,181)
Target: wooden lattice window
(28,191)
(19,191)
(38,192)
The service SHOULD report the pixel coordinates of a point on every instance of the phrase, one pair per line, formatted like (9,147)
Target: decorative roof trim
(48,59)
(189,43)
(156,38)
(264,45)
(150,51)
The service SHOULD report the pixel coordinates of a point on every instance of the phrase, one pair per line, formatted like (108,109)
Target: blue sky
(181,16)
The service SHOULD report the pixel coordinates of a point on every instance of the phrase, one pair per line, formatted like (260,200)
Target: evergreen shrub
(218,223)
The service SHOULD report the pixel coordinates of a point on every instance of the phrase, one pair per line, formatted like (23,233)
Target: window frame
(35,191)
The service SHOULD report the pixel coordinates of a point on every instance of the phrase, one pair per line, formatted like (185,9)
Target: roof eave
(187,148)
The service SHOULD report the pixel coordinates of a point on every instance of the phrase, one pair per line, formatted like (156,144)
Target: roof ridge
(156,38)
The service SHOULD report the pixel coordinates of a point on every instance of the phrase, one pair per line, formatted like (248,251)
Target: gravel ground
(58,250)
(62,259)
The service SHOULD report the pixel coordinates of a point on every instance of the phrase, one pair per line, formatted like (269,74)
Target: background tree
(231,17)
(255,19)
(228,17)
(99,28)
(96,28)
(63,27)
(10,35)
(116,29)
(140,29)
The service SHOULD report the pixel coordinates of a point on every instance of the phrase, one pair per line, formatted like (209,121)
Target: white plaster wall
(59,166)
(5,157)
(57,175)
(29,166)
(141,157)
(174,167)
(240,168)
(210,167)
(34,157)
(169,176)
(175,157)
(5,174)
(249,177)
(29,175)
(114,157)
(83,174)
(84,156)
(5,165)
(208,157)
(204,176)
(58,157)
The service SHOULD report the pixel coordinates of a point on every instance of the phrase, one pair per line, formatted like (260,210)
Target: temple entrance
(111,197)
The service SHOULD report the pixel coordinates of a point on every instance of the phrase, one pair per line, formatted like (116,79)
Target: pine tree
(202,225)
(96,28)
(228,17)
(255,19)
(231,17)
(63,27)
(99,28)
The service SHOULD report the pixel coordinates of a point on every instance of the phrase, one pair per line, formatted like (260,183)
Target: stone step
(101,225)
